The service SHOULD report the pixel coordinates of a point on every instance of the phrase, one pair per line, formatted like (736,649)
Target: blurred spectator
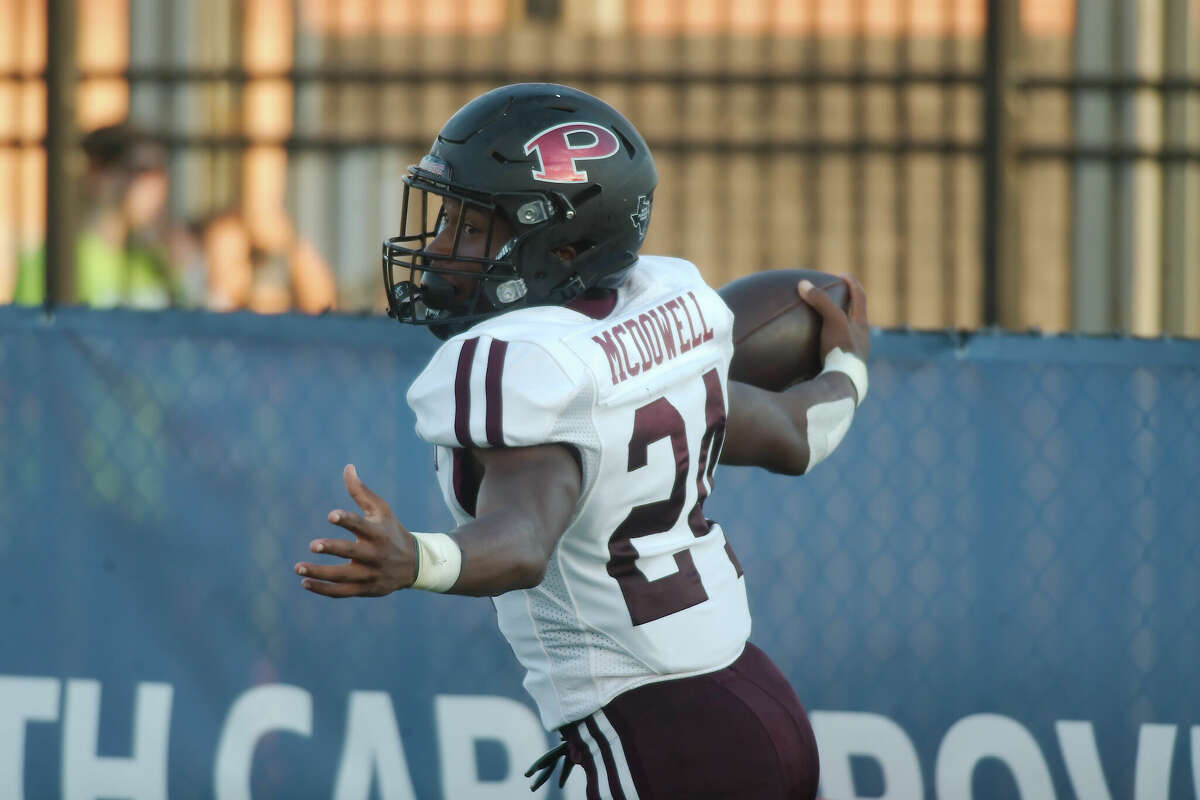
(121,255)
(227,254)
(129,252)
(244,276)
(314,287)
(185,244)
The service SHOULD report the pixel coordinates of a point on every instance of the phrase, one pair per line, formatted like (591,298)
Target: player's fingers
(367,500)
(821,302)
(335,589)
(355,523)
(858,299)
(345,548)
(355,487)
(336,573)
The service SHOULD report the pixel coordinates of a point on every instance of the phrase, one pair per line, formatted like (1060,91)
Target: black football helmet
(570,176)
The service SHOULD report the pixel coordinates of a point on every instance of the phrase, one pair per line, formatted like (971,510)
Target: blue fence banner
(990,590)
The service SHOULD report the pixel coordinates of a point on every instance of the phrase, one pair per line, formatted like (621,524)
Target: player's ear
(567,252)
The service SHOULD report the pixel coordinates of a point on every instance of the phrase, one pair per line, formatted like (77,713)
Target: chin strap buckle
(511,291)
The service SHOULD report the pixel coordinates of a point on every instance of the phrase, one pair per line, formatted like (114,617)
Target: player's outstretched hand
(848,330)
(380,558)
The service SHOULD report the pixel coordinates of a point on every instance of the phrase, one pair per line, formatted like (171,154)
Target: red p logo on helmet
(558,152)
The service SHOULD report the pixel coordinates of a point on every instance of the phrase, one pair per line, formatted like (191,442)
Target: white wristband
(851,366)
(439,561)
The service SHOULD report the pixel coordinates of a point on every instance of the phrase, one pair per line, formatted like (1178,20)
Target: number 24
(649,600)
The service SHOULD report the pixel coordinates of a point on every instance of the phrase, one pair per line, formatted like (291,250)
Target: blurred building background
(1031,164)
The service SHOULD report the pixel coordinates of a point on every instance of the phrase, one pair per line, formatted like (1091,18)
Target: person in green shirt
(121,256)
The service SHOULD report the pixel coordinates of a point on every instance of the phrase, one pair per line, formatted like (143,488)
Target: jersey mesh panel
(552,600)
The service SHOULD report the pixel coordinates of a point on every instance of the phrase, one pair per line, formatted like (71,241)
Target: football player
(579,406)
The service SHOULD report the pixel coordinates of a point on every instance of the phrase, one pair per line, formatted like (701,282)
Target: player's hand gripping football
(849,329)
(381,557)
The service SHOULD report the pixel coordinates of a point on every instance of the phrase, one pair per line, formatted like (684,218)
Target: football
(776,335)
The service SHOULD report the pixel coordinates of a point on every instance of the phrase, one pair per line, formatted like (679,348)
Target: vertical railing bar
(769,87)
(810,172)
(901,220)
(858,197)
(19,147)
(679,99)
(1116,224)
(999,223)
(61,156)
(727,199)
(947,166)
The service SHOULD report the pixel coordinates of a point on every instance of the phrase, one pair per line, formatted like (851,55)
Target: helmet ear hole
(567,252)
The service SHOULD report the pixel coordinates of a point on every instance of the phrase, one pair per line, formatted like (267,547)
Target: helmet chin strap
(436,291)
(569,290)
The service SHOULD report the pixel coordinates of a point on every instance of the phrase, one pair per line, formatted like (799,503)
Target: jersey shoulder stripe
(485,391)
(462,392)
(493,398)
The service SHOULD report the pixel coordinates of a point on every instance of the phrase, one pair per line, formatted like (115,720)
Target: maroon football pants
(740,732)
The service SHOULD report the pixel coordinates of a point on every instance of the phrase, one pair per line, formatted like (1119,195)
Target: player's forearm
(790,431)
(526,498)
(501,552)
(821,411)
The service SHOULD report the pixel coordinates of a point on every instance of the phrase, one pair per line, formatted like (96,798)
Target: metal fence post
(1181,182)
(62,171)
(1096,238)
(1000,225)
(1142,289)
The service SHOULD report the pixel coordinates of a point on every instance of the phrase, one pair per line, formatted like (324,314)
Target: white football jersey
(641,587)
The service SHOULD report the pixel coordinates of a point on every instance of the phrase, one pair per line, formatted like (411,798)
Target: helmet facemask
(456,283)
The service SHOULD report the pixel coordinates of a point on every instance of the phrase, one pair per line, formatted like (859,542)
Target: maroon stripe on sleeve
(462,393)
(610,765)
(493,397)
